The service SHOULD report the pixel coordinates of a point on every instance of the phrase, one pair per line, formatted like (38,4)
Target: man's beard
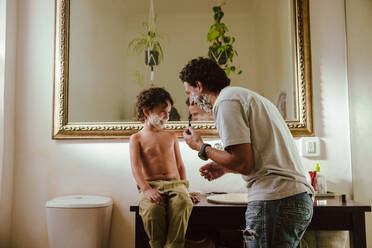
(204,117)
(203,102)
(157,121)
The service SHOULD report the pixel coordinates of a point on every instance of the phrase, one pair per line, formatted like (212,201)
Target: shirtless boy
(164,202)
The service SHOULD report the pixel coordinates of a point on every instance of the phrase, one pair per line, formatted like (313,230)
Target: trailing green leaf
(221,44)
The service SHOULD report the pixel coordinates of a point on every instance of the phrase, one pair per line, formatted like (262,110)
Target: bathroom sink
(229,198)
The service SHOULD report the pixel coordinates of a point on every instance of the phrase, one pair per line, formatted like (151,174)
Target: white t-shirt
(243,116)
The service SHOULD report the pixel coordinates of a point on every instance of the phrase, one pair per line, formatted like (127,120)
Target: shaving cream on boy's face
(157,121)
(203,101)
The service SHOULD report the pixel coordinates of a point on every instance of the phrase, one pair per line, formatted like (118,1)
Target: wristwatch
(202,154)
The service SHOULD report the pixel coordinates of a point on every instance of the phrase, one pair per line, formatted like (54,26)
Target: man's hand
(154,195)
(212,171)
(193,140)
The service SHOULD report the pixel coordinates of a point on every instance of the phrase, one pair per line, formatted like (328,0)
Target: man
(258,145)
(196,113)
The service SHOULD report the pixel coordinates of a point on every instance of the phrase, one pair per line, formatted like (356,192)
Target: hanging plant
(149,42)
(221,44)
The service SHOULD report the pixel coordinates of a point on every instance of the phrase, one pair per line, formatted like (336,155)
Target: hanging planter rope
(149,42)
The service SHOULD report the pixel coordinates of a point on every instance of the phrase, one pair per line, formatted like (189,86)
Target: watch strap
(202,154)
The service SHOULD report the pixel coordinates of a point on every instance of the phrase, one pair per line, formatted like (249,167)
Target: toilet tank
(79,221)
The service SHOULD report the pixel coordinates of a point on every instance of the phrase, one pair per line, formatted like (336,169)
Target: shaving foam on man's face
(203,101)
(205,117)
(156,121)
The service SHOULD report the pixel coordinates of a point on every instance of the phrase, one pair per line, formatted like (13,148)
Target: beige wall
(46,168)
(6,167)
(330,96)
(359,33)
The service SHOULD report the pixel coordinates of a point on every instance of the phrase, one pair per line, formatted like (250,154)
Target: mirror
(97,78)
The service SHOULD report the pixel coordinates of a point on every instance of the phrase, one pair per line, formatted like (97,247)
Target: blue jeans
(277,223)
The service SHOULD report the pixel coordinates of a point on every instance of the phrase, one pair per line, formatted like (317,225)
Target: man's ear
(199,85)
(146,112)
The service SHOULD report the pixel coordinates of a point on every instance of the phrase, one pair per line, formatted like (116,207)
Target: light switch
(310,147)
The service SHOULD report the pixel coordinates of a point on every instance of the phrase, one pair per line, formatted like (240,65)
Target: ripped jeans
(277,223)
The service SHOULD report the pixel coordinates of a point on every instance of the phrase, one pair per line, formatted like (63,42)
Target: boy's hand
(194,197)
(212,171)
(154,195)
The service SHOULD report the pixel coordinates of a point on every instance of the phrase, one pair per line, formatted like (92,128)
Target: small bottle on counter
(343,199)
(321,183)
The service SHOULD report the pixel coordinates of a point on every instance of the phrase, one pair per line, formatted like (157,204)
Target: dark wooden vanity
(334,215)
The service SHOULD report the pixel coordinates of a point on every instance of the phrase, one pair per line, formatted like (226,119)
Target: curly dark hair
(206,71)
(151,98)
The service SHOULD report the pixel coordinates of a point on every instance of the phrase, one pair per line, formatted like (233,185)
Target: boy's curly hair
(150,99)
(206,71)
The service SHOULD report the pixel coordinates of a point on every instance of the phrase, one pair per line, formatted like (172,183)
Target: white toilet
(81,221)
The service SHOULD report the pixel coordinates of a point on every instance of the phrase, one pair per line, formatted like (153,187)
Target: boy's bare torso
(158,155)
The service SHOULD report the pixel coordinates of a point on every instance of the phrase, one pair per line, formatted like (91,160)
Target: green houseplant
(221,44)
(148,42)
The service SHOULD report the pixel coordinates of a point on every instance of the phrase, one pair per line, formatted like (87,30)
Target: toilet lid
(79,201)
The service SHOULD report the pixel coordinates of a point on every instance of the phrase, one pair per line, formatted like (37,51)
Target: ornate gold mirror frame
(63,129)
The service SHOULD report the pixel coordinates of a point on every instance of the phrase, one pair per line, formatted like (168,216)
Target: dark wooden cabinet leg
(141,237)
(358,232)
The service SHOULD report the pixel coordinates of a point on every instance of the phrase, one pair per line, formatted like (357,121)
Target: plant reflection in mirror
(221,44)
(149,42)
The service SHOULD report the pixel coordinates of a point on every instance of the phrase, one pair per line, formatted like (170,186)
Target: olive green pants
(166,223)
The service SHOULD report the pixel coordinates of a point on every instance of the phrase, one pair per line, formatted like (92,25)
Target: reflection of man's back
(199,115)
